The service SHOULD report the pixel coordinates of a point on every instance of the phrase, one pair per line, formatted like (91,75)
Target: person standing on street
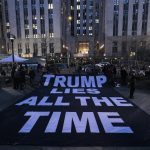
(132,85)
(32,76)
(124,76)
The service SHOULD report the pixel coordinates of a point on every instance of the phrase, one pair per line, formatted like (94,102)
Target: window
(43,47)
(27,48)
(135,17)
(78,7)
(50,6)
(41,1)
(18,24)
(25,2)
(124,48)
(51,35)
(42,26)
(125,17)
(19,49)
(116,18)
(33,2)
(35,49)
(50,1)
(51,47)
(114,47)
(145,16)
(41,11)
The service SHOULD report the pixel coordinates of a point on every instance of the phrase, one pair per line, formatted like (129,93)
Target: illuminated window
(90,28)
(78,7)
(83,48)
(50,6)
(7,24)
(51,35)
(43,35)
(96,20)
(72,8)
(78,21)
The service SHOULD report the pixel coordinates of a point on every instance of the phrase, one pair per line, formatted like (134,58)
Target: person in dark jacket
(123,76)
(132,85)
(32,76)
(17,78)
(13,71)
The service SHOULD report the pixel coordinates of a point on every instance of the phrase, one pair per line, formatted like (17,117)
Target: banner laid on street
(74,110)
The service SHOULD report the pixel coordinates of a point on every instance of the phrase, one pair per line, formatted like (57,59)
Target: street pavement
(8,96)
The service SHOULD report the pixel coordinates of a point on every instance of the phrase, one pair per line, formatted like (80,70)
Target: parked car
(91,68)
(102,64)
(57,68)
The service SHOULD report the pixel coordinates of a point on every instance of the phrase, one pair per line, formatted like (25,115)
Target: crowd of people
(123,75)
(18,76)
(21,74)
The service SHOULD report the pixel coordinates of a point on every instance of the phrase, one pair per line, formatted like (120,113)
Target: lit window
(78,7)
(78,21)
(116,2)
(96,20)
(35,36)
(50,6)
(51,35)
(7,24)
(72,8)
(42,17)
(90,28)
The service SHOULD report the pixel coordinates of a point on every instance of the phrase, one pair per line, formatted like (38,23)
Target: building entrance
(83,48)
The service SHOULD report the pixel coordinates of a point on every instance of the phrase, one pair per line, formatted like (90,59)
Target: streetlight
(12,38)
(102,46)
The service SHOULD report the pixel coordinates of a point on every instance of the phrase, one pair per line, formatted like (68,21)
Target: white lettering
(48,78)
(93,91)
(80,125)
(60,103)
(53,123)
(108,122)
(78,91)
(70,84)
(105,100)
(34,116)
(119,101)
(90,82)
(44,102)
(55,91)
(83,100)
(60,81)
(101,80)
(30,101)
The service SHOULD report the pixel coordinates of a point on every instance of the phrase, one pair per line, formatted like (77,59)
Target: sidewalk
(8,96)
(141,97)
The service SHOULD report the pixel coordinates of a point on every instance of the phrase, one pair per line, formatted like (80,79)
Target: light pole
(68,57)
(12,38)
(69,19)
